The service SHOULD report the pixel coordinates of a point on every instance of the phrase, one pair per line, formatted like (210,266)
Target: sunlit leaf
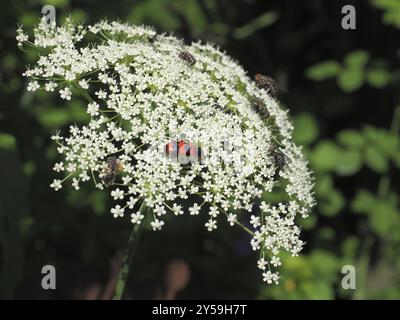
(356,59)
(384,140)
(326,233)
(251,27)
(191,10)
(375,160)
(323,184)
(351,138)
(309,222)
(351,79)
(56,3)
(7,141)
(363,201)
(350,246)
(332,203)
(384,218)
(349,162)
(149,12)
(378,77)
(305,129)
(323,70)
(325,156)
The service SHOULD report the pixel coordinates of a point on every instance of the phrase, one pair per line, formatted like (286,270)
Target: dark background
(342,90)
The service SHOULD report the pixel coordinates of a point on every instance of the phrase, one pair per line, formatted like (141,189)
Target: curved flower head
(171,124)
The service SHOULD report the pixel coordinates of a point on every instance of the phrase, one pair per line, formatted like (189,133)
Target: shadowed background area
(342,90)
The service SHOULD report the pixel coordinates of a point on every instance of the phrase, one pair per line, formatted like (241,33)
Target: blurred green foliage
(355,70)
(391,9)
(342,89)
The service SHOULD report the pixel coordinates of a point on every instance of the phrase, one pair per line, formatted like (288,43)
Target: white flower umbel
(171,123)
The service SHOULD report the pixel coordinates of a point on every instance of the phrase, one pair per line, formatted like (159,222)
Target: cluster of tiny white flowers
(141,95)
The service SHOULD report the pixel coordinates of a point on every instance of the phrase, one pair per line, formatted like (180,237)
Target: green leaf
(7,141)
(324,264)
(149,12)
(325,156)
(305,129)
(391,11)
(384,140)
(323,70)
(53,118)
(191,10)
(396,160)
(351,138)
(56,3)
(326,233)
(373,134)
(323,184)
(30,19)
(390,145)
(262,21)
(363,201)
(356,59)
(309,223)
(98,202)
(350,247)
(378,77)
(29,168)
(392,17)
(317,290)
(384,218)
(78,15)
(349,163)
(375,160)
(386,4)
(332,204)
(350,79)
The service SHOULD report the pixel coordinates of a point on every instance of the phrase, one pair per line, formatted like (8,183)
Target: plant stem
(128,257)
(384,182)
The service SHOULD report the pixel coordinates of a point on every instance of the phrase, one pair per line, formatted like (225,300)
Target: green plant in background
(356,69)
(391,9)
(377,149)
(13,221)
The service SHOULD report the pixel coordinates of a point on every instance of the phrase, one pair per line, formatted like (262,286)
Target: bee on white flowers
(278,157)
(112,168)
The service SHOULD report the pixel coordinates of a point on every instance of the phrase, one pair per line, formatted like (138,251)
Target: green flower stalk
(128,258)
